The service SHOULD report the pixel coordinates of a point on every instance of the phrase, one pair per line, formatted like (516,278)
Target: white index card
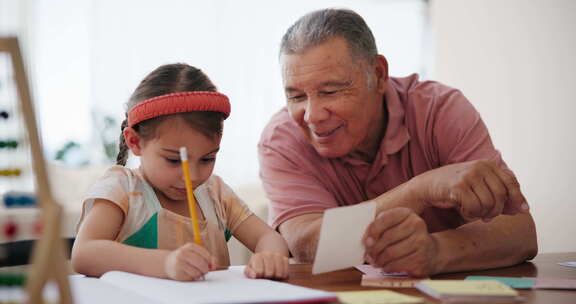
(340,245)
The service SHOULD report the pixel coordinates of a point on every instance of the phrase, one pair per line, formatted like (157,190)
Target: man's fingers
(395,251)
(500,194)
(407,264)
(485,198)
(470,205)
(383,222)
(391,236)
(516,202)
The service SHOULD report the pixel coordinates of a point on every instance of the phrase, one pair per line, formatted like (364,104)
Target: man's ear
(381,73)
(133,141)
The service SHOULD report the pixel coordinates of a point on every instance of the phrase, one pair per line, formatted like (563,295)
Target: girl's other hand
(189,262)
(268,265)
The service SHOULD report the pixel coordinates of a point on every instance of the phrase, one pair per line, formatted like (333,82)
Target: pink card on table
(375,277)
(374,272)
(545,283)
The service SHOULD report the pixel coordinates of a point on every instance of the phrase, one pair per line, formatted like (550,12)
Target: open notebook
(224,286)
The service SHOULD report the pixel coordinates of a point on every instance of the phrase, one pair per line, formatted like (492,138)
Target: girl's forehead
(173,125)
(175,132)
(172,121)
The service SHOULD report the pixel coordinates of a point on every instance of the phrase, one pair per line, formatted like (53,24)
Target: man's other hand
(479,189)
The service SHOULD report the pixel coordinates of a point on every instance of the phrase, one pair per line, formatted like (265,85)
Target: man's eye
(208,159)
(328,92)
(296,98)
(173,160)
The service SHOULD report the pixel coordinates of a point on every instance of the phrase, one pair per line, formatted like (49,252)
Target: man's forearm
(505,241)
(302,232)
(401,196)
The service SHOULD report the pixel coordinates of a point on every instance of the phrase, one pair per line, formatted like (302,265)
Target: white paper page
(94,291)
(340,245)
(225,286)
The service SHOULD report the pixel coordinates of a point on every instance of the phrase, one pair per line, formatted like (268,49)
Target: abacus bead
(27,201)
(10,229)
(20,279)
(9,200)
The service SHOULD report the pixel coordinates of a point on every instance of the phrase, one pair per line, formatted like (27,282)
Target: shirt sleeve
(112,186)
(292,188)
(233,207)
(460,134)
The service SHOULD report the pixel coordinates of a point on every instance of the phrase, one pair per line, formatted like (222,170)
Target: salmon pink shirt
(429,125)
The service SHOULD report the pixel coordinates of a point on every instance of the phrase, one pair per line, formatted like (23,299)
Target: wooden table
(543,266)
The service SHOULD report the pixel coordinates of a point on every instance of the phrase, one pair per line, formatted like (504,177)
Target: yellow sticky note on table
(465,288)
(375,297)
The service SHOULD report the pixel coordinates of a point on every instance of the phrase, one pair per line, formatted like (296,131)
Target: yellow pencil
(190,195)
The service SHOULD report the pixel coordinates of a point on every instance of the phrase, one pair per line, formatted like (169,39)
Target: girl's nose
(194,175)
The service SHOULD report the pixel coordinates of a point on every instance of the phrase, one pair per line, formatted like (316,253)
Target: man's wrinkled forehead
(298,76)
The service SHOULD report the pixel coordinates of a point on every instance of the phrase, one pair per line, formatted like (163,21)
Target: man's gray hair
(318,26)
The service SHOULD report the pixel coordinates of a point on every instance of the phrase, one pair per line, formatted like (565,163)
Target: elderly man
(351,134)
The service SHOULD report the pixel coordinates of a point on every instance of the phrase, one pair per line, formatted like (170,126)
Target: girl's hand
(269,265)
(189,262)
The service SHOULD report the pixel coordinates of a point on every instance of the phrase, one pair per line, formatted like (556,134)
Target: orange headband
(179,103)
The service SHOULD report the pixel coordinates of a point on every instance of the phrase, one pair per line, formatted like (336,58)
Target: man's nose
(315,112)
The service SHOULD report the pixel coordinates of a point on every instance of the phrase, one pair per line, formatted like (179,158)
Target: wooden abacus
(48,257)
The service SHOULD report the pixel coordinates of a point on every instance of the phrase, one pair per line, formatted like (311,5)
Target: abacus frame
(48,258)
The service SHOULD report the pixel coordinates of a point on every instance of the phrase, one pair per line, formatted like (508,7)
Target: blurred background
(514,60)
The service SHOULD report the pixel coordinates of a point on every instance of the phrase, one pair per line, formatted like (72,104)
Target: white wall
(516,61)
(88,56)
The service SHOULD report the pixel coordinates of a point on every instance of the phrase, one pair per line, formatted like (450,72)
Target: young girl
(136,220)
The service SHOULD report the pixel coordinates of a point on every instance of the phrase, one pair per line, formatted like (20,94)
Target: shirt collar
(396,132)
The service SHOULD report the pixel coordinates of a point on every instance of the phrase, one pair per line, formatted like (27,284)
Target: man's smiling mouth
(328,133)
